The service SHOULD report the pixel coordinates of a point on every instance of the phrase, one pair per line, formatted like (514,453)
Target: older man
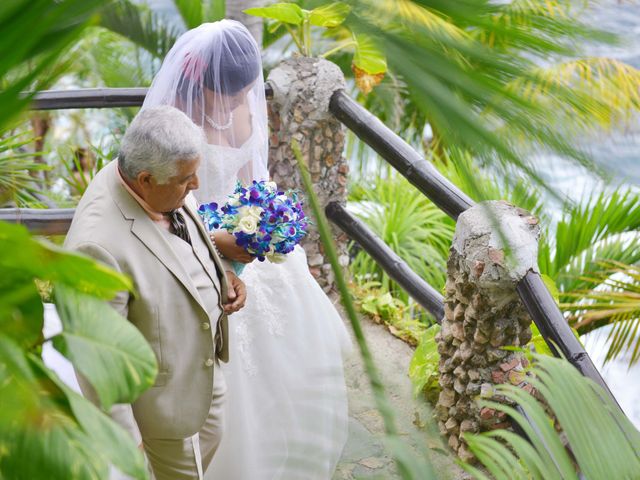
(138,217)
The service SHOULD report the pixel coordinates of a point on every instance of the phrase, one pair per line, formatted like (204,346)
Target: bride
(286,406)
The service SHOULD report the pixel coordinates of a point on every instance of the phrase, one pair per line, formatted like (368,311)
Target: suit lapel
(189,207)
(222,336)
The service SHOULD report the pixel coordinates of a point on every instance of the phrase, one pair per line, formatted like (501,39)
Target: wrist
(215,246)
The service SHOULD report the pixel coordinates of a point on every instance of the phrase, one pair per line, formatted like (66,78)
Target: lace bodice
(218,172)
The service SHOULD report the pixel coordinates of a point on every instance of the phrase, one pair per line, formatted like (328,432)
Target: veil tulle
(213,73)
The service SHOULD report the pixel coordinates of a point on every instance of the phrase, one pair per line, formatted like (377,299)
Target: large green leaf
(191,12)
(330,15)
(283,12)
(109,441)
(57,451)
(39,437)
(52,26)
(18,387)
(108,350)
(216,10)
(21,310)
(368,56)
(30,258)
(423,369)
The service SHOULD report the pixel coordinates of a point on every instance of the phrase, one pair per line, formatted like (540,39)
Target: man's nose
(195,183)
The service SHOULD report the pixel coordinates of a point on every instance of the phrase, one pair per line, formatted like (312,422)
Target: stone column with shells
(494,246)
(302,88)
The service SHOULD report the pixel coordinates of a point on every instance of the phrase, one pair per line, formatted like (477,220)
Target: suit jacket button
(206,326)
(208,362)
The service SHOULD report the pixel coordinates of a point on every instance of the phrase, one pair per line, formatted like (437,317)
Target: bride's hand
(226,243)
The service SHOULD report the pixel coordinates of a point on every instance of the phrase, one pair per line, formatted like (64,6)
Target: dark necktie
(178,225)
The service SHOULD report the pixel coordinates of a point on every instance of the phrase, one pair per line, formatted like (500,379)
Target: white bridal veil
(213,73)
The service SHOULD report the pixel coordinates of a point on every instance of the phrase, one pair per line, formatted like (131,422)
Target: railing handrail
(421,173)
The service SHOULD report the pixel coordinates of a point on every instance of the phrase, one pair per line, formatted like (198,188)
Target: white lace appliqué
(244,340)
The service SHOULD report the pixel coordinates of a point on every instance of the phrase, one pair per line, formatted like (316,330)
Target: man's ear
(145,180)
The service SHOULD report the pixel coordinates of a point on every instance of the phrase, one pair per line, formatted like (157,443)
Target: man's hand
(237,293)
(226,243)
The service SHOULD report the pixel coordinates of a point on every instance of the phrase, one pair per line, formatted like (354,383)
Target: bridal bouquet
(266,222)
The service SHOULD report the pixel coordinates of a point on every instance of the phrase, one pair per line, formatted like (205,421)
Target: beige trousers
(188,458)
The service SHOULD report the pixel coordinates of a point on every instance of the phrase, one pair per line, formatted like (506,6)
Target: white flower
(275,257)
(234,200)
(248,225)
(252,211)
(272,186)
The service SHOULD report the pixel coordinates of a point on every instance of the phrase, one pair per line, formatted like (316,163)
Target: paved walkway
(364,455)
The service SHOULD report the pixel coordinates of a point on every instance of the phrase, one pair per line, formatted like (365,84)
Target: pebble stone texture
(482,314)
(300,110)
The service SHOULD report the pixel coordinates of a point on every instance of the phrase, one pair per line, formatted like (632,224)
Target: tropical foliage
(47,430)
(568,399)
(616,300)
(368,65)
(418,231)
(17,183)
(607,446)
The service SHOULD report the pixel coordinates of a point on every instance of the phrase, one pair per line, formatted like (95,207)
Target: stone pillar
(482,314)
(300,109)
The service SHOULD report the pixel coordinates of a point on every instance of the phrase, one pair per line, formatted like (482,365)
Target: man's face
(170,195)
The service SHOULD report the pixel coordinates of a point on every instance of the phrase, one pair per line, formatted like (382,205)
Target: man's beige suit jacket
(111,227)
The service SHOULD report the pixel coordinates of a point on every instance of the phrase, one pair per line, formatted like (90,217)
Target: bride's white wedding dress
(286,407)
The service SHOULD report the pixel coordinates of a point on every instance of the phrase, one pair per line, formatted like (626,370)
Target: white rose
(252,211)
(248,225)
(271,186)
(234,200)
(275,257)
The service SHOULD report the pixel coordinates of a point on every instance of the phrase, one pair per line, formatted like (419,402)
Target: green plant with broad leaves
(368,63)
(423,369)
(601,442)
(382,307)
(48,431)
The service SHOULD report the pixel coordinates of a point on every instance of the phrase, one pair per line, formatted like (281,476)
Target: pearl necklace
(217,126)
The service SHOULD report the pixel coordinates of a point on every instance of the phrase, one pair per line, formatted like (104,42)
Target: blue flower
(281,227)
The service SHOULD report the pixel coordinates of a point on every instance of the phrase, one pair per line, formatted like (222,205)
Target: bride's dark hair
(238,64)
(231,65)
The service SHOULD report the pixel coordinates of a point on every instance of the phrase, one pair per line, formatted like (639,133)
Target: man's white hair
(157,140)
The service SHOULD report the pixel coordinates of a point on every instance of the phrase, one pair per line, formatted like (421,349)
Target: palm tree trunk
(254,24)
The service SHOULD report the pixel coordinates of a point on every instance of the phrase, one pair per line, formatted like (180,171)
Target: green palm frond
(606,92)
(582,272)
(140,25)
(409,13)
(601,441)
(191,12)
(616,301)
(581,230)
(52,26)
(463,170)
(413,227)
(112,61)
(16,183)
